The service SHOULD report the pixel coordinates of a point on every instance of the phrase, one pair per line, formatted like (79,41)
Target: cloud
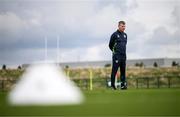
(164,42)
(84,28)
(159,34)
(75,22)
(93,53)
(10,26)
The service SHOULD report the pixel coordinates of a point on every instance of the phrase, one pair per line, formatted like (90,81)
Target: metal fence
(102,83)
(159,82)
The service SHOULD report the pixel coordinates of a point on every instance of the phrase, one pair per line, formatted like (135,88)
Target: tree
(107,65)
(19,67)
(4,67)
(136,64)
(67,66)
(155,64)
(141,64)
(174,64)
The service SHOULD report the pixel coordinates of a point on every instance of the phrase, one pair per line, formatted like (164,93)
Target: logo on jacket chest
(118,36)
(124,36)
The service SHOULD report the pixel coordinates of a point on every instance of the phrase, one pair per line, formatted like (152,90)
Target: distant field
(146,102)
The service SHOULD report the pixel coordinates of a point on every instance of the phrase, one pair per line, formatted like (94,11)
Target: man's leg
(123,74)
(114,71)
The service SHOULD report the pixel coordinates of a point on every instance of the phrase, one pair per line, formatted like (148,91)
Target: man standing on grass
(117,45)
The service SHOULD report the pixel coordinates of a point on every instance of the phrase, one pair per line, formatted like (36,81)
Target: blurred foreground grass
(136,102)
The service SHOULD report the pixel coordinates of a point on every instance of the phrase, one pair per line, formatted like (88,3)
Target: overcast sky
(84,28)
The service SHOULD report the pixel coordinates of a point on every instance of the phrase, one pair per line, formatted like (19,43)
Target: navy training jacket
(117,44)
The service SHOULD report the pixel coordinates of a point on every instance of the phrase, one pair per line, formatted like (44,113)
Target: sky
(84,28)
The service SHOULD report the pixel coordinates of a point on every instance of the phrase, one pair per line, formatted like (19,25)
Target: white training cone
(45,84)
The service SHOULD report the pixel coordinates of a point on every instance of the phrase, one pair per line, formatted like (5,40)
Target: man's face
(121,27)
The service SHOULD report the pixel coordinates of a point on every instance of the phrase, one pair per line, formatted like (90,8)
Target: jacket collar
(119,31)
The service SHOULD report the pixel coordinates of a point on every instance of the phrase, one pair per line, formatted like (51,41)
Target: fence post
(137,83)
(86,81)
(67,72)
(90,79)
(158,83)
(147,83)
(169,82)
(3,85)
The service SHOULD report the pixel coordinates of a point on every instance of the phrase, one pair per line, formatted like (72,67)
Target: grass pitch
(131,102)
